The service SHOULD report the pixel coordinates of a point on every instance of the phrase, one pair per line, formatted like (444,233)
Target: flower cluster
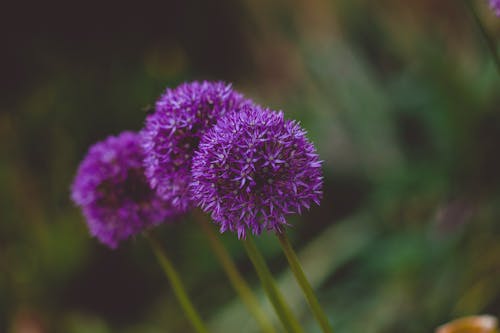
(172,133)
(253,168)
(113,192)
(495,6)
(204,145)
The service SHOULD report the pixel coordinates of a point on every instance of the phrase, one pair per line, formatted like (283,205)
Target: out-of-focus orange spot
(472,324)
(26,321)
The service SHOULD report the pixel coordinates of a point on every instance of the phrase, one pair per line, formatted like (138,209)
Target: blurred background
(401,99)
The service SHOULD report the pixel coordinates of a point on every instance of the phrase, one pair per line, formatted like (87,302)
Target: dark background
(401,99)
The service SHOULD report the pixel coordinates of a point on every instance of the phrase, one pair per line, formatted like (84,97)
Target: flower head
(253,168)
(173,132)
(495,6)
(113,193)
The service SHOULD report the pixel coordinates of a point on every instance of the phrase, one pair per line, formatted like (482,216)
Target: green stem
(284,313)
(490,42)
(177,285)
(237,281)
(296,268)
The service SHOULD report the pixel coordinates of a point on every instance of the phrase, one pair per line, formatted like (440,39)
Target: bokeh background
(400,97)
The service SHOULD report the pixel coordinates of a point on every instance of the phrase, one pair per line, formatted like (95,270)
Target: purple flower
(113,192)
(173,132)
(495,5)
(253,168)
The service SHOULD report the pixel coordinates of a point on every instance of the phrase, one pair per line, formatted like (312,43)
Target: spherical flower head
(253,168)
(495,6)
(172,134)
(113,193)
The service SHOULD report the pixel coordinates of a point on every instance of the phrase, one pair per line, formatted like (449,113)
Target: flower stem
(490,42)
(177,285)
(234,276)
(284,312)
(296,268)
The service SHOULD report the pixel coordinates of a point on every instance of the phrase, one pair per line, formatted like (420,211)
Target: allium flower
(113,192)
(495,5)
(253,168)
(173,132)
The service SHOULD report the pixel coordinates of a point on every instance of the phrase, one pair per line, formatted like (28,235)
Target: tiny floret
(172,134)
(252,169)
(113,193)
